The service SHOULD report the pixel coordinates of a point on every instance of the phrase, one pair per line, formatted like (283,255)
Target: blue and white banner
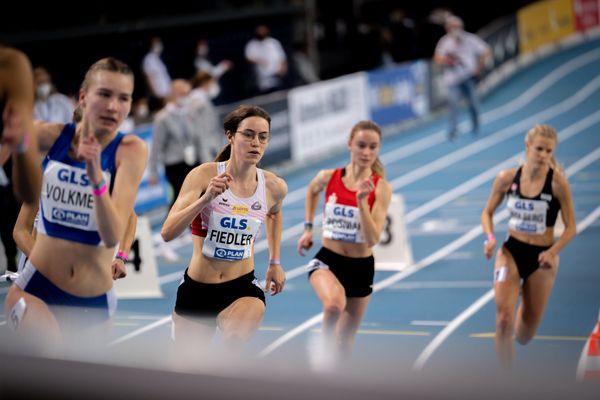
(150,196)
(398,93)
(322,115)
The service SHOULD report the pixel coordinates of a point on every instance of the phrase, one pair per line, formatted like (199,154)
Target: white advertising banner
(322,114)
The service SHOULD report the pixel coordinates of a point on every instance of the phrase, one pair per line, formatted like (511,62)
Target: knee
(334,306)
(504,323)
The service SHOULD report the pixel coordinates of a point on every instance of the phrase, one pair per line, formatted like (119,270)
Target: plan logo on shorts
(240,209)
(228,254)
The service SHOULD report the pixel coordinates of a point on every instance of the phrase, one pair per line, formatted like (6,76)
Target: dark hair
(200,78)
(233,120)
(377,167)
(106,64)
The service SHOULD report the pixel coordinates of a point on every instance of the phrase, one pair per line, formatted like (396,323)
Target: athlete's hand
(548,260)
(118,269)
(89,150)
(275,279)
(488,247)
(364,188)
(14,131)
(305,242)
(218,185)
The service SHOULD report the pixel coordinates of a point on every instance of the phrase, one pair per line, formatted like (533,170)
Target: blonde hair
(377,166)
(548,132)
(106,64)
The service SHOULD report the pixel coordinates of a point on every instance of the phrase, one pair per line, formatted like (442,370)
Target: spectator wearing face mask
(203,62)
(203,116)
(172,142)
(267,56)
(158,80)
(50,105)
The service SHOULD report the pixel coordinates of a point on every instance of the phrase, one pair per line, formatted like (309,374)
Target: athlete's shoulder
(275,184)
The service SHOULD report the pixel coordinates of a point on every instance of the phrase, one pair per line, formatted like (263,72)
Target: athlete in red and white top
(357,197)
(226,202)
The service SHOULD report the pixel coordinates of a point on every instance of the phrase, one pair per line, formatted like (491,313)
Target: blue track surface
(404,318)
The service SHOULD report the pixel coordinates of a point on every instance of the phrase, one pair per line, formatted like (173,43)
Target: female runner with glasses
(226,202)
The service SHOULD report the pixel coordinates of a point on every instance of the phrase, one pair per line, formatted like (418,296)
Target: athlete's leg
(32,320)
(536,292)
(333,297)
(349,323)
(240,320)
(506,288)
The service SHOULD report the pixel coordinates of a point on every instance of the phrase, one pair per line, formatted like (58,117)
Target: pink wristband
(491,237)
(121,255)
(100,191)
(274,261)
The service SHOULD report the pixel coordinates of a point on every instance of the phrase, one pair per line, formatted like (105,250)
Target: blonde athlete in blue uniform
(528,260)
(91,174)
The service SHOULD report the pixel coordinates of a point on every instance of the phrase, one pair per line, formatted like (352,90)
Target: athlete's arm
(16,87)
(373,220)
(499,189)
(24,232)
(118,265)
(277,189)
(316,186)
(199,188)
(562,191)
(113,212)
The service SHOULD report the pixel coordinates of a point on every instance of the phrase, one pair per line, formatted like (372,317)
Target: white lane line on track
(434,257)
(480,302)
(436,138)
(295,230)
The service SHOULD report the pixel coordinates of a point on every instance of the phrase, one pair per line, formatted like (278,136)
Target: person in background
(50,105)
(203,116)
(463,56)
(268,58)
(156,74)
(172,143)
(527,262)
(203,63)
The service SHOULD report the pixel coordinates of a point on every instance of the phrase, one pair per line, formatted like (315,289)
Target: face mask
(203,51)
(157,48)
(214,90)
(43,90)
(142,111)
(181,101)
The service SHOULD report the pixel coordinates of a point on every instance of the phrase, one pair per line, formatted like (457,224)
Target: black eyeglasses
(248,135)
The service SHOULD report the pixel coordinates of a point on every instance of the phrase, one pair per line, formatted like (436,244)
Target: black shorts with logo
(355,274)
(197,299)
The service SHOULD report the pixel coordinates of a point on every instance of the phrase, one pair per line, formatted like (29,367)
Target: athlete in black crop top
(535,193)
